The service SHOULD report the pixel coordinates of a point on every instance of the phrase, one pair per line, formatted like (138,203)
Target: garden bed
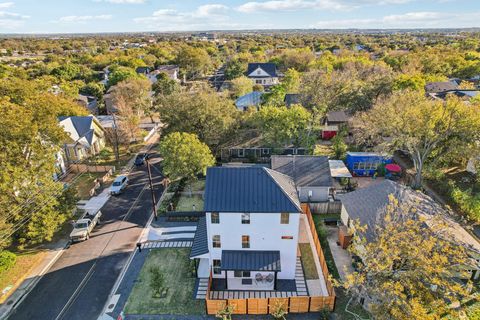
(322,236)
(308,261)
(179,281)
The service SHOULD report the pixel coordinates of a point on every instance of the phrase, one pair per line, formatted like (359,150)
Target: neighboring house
(60,165)
(143,70)
(172,71)
(248,239)
(462,94)
(257,153)
(89,102)
(367,206)
(86,137)
(291,98)
(365,163)
(311,175)
(336,118)
(252,99)
(263,73)
(437,87)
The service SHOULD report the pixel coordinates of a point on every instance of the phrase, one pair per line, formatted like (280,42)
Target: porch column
(226,280)
(275,282)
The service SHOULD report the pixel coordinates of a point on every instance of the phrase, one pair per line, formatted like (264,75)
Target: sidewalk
(55,250)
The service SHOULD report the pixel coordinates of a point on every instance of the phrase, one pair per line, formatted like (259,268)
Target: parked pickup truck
(84,226)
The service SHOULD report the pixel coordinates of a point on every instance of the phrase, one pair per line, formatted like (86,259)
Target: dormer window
(259,71)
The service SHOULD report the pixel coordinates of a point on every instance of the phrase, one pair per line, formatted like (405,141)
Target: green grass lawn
(322,235)
(176,269)
(14,276)
(106,157)
(198,185)
(186,202)
(340,304)
(308,262)
(84,183)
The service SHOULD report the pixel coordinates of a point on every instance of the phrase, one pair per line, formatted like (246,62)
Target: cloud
(4,5)
(122,1)
(209,15)
(82,19)
(290,5)
(421,19)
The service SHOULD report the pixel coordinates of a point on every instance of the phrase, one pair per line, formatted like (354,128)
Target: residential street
(78,284)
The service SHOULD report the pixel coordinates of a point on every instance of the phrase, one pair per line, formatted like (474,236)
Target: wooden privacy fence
(75,167)
(269,305)
(328,207)
(291,304)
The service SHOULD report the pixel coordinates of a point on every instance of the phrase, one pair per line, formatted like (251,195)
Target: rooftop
(313,171)
(251,260)
(249,189)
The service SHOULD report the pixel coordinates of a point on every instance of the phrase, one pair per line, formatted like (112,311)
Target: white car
(118,185)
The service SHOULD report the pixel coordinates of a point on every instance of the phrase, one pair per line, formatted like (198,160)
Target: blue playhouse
(365,163)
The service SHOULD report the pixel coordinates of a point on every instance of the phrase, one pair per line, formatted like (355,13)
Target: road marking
(90,272)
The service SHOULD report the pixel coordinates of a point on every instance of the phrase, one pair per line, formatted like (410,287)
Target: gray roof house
(311,175)
(248,238)
(367,206)
(252,99)
(334,118)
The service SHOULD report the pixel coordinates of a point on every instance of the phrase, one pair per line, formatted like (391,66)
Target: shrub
(7,260)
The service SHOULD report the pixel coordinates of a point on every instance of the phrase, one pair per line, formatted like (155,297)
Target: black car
(140,159)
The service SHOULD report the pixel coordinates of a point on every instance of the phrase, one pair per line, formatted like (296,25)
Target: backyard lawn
(308,262)
(186,202)
(85,183)
(175,266)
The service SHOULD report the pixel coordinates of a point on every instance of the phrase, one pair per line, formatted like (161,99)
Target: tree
(339,146)
(164,85)
(423,127)
(119,73)
(234,69)
(135,93)
(205,113)
(281,126)
(195,62)
(408,269)
(241,86)
(185,156)
(95,89)
(157,281)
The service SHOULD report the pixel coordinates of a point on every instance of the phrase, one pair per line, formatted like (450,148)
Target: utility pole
(117,156)
(154,202)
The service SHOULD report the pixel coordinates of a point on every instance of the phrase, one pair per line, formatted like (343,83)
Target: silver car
(118,185)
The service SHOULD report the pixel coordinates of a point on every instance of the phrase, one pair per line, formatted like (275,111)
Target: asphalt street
(79,282)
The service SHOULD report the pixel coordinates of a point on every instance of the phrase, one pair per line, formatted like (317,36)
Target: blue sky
(81,16)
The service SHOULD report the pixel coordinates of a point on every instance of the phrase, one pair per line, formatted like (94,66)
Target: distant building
(86,137)
(291,99)
(252,99)
(263,73)
(89,102)
(172,71)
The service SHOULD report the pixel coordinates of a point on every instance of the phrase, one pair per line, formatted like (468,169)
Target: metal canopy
(251,260)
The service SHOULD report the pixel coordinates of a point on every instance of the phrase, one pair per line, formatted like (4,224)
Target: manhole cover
(110,306)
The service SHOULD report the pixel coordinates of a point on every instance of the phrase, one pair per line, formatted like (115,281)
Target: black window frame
(216,243)
(282,215)
(245,221)
(215,220)
(246,245)
(217,269)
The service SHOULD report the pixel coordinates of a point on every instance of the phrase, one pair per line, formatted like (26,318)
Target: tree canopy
(185,156)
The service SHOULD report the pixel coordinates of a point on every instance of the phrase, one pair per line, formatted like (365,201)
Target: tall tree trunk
(418,163)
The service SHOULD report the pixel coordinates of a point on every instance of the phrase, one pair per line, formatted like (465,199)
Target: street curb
(129,261)
(35,281)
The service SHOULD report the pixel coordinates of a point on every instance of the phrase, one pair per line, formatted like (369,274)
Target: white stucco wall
(318,194)
(265,231)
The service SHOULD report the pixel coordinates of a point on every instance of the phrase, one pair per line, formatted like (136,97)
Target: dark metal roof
(269,68)
(200,241)
(249,189)
(306,171)
(251,260)
(291,98)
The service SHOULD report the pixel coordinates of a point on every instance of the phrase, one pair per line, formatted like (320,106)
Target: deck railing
(291,304)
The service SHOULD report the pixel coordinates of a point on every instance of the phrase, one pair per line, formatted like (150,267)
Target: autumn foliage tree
(409,270)
(425,128)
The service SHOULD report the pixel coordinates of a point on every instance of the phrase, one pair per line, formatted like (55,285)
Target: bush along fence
(272,305)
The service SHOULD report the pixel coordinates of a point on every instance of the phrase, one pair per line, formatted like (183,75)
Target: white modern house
(263,73)
(249,236)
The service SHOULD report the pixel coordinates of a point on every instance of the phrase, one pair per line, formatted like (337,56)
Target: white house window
(258,81)
(245,242)
(241,274)
(217,266)
(241,153)
(287,237)
(245,218)
(215,217)
(216,241)
(284,218)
